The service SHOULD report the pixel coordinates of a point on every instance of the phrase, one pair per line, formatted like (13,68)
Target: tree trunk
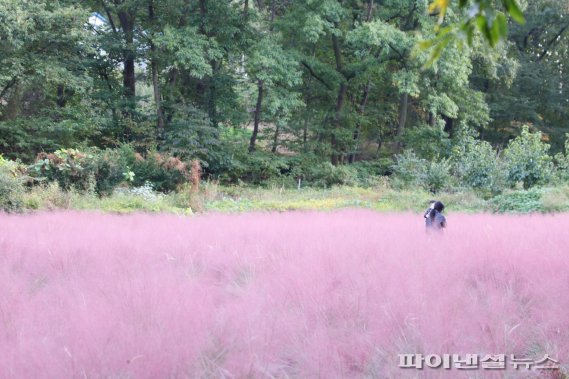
(105,76)
(341,100)
(306,115)
(338,121)
(169,96)
(127,25)
(157,100)
(305,132)
(129,81)
(60,96)
(257,116)
(432,119)
(357,131)
(449,125)
(273,12)
(276,139)
(379,144)
(9,85)
(156,82)
(403,108)
(369,10)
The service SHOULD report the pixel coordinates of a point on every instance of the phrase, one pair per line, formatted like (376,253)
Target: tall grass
(298,295)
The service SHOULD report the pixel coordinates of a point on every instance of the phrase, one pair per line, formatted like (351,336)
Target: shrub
(429,142)
(102,171)
(48,196)
(562,162)
(165,173)
(370,173)
(555,199)
(476,163)
(410,170)
(437,176)
(527,161)
(99,171)
(70,168)
(518,201)
(228,161)
(112,168)
(11,188)
(326,175)
(261,167)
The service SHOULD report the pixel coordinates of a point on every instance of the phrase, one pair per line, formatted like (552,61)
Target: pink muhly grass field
(300,295)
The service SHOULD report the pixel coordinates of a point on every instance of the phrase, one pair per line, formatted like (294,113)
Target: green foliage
(262,167)
(173,80)
(101,171)
(70,168)
(476,163)
(326,175)
(411,171)
(256,168)
(112,167)
(11,188)
(165,173)
(562,162)
(428,142)
(372,173)
(526,160)
(49,196)
(190,49)
(41,40)
(537,94)
(190,135)
(408,168)
(518,201)
(483,16)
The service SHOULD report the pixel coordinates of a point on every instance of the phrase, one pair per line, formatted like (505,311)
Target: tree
(481,15)
(42,70)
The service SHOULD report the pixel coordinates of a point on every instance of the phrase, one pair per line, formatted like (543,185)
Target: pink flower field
(287,295)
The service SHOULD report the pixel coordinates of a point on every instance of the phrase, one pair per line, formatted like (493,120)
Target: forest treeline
(257,89)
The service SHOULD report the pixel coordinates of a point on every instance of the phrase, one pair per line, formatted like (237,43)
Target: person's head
(438,206)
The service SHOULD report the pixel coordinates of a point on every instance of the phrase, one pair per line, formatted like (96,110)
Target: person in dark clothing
(434,218)
(431,206)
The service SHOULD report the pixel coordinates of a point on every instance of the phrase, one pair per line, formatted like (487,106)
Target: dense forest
(256,89)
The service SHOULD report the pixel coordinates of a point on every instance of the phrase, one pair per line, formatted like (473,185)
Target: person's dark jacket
(435,220)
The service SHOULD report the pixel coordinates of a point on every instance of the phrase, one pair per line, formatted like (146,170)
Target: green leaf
(514,11)
(426,44)
(502,24)
(482,25)
(437,51)
(470,34)
(499,28)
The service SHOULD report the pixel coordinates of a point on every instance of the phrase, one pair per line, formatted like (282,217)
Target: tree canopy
(332,80)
